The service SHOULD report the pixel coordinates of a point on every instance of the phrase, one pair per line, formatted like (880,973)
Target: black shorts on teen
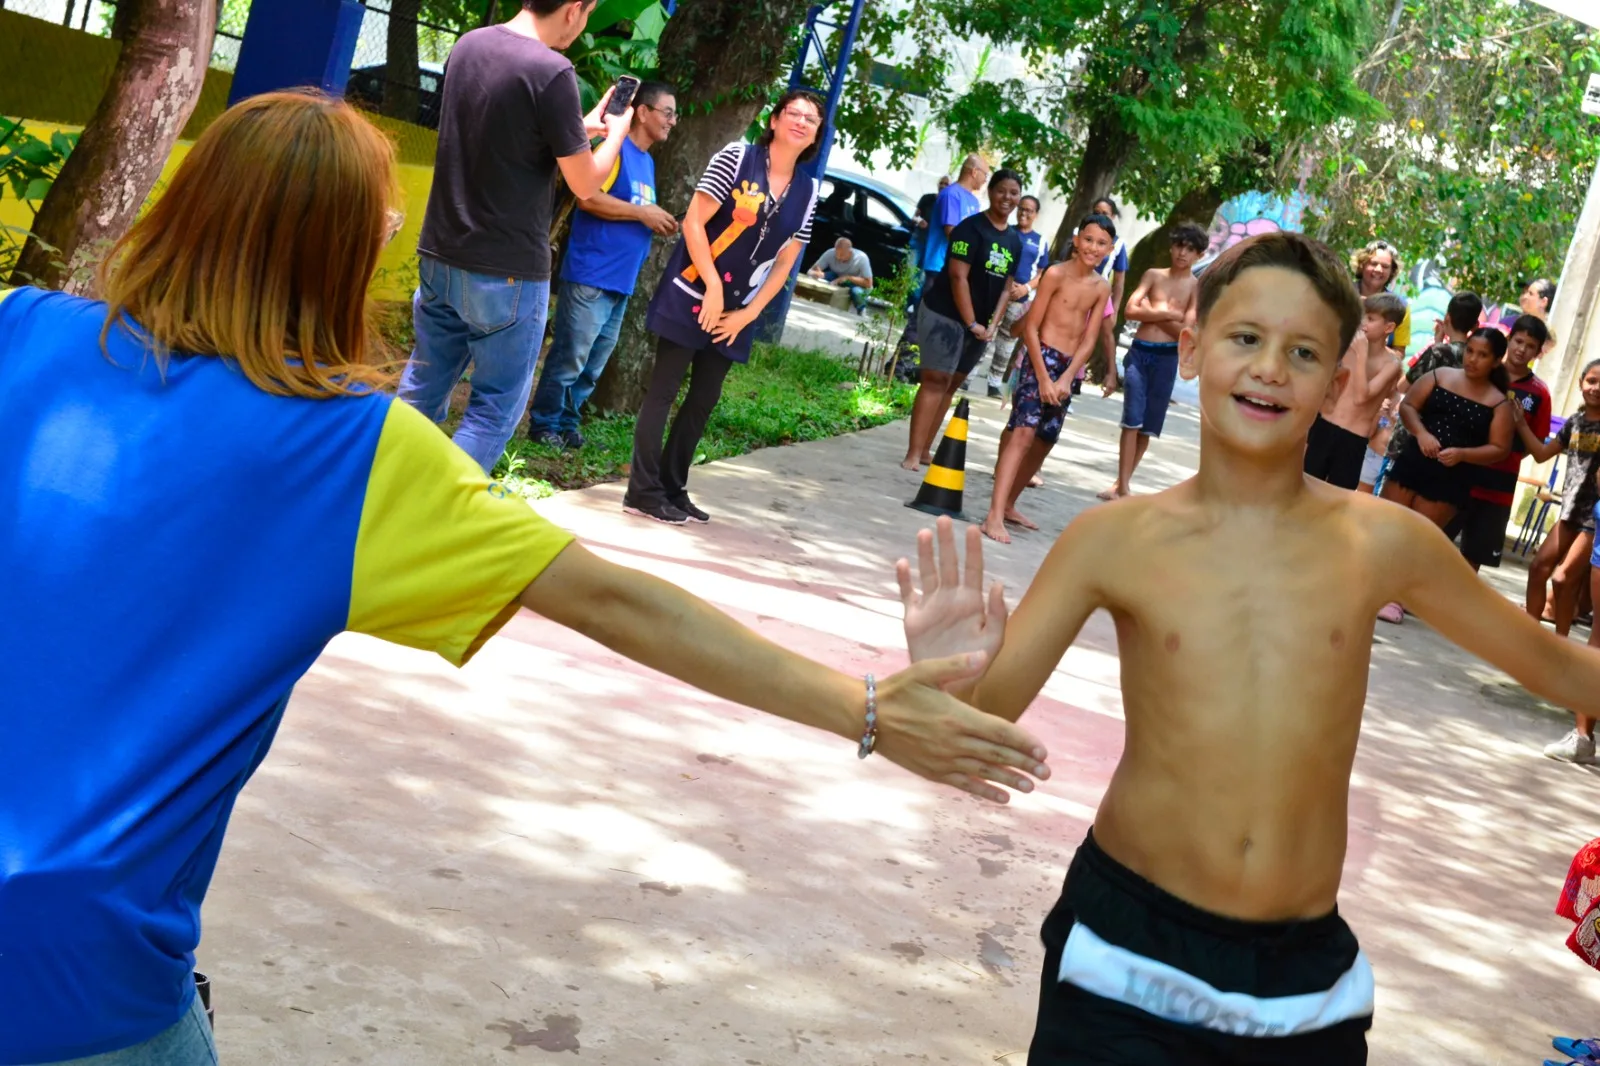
(1334,454)
(1134,976)
(1482,526)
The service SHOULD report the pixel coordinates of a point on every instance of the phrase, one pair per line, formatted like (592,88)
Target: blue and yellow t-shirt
(177,548)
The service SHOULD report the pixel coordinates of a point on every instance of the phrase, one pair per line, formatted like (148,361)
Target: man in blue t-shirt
(957,202)
(1006,344)
(610,238)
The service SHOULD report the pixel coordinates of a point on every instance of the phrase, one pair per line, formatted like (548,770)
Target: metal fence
(410,92)
(95,16)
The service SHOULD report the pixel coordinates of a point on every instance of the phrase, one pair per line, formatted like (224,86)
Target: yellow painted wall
(54,78)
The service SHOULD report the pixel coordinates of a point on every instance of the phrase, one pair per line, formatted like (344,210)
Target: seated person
(846,267)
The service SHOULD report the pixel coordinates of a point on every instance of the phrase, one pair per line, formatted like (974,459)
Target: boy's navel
(1172,642)
(1336,638)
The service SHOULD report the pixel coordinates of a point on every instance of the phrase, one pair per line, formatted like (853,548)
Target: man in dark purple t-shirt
(508,118)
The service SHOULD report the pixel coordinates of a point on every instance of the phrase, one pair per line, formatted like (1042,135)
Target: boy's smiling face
(1265,357)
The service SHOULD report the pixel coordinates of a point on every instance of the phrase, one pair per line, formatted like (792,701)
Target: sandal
(1392,613)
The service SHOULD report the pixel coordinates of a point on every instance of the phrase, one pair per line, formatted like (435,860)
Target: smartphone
(622,94)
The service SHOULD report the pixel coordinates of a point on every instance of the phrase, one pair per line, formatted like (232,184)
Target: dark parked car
(367,84)
(876,218)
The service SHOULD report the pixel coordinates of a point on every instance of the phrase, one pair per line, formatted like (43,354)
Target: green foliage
(1486,160)
(28,167)
(782,396)
(895,292)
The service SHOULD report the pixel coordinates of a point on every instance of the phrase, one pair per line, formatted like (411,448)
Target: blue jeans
(187,1043)
(858,295)
(494,323)
(588,321)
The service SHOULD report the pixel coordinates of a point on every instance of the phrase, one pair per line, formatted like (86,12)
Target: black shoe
(995,392)
(694,514)
(572,440)
(550,439)
(663,512)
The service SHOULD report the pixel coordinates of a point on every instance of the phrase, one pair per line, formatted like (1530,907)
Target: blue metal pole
(769,326)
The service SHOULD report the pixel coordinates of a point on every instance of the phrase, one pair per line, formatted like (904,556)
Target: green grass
(782,396)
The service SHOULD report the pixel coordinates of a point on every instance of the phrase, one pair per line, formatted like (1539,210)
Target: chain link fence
(398,68)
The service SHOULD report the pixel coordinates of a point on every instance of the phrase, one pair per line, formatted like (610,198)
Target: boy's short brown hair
(1292,251)
(1386,304)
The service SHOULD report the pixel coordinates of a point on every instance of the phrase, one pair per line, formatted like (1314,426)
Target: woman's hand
(711,306)
(1449,456)
(732,324)
(1429,445)
(940,738)
(953,614)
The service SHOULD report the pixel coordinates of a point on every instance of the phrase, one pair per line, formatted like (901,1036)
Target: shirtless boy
(1197,924)
(1162,304)
(1337,445)
(1065,318)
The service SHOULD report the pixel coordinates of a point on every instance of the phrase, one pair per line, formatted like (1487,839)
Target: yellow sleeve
(1402,332)
(442,552)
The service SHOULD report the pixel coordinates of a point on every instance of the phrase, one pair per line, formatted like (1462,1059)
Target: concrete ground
(553,852)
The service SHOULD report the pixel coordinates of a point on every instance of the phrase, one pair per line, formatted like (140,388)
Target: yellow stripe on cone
(942,486)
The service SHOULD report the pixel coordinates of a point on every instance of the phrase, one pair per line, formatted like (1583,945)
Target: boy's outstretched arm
(660,625)
(953,614)
(1436,583)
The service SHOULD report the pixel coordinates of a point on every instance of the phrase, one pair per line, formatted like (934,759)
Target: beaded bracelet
(869,739)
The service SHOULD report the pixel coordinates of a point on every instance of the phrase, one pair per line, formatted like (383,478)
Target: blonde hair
(262,248)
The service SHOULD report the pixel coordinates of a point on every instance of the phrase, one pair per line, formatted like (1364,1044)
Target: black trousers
(660,475)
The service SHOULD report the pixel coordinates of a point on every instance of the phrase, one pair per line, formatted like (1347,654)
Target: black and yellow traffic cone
(941,489)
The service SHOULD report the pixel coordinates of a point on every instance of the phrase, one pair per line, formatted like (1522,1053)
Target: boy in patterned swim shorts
(1064,318)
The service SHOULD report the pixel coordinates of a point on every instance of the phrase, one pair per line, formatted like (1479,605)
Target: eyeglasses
(393,220)
(805,118)
(668,113)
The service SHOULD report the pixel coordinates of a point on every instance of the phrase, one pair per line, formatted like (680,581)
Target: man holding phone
(610,238)
(508,117)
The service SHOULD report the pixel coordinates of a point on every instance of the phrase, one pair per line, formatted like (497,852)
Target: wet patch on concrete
(560,1033)
(908,950)
(661,887)
(445,873)
(999,840)
(656,982)
(993,955)
(992,867)
(718,759)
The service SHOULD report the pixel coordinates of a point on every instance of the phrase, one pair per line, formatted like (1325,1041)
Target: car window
(880,212)
(824,190)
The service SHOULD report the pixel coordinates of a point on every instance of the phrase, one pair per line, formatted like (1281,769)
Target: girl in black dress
(1458,419)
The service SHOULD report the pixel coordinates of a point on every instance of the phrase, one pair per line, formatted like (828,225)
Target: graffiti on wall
(1251,213)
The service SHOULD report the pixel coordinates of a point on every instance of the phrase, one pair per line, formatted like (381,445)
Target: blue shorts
(1027,410)
(1148,375)
(1594,556)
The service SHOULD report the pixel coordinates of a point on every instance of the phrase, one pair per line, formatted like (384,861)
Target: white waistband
(1156,988)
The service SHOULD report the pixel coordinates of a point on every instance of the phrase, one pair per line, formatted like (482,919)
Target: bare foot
(1016,517)
(995,530)
(927,459)
(909,464)
(1036,482)
(1113,493)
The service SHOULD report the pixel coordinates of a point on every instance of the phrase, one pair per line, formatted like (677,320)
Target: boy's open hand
(952,615)
(938,737)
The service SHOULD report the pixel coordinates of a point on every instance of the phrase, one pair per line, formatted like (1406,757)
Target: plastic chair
(1533,525)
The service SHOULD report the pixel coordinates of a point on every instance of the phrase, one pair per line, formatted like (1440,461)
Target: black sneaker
(995,392)
(572,440)
(664,512)
(551,439)
(686,505)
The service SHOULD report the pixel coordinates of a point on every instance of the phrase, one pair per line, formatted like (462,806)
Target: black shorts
(1334,454)
(1134,976)
(1483,530)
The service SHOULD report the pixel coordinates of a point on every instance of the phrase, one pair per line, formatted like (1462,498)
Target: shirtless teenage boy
(1198,917)
(1065,318)
(1337,444)
(1161,305)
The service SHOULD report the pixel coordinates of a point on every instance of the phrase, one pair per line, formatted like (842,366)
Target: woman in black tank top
(1459,420)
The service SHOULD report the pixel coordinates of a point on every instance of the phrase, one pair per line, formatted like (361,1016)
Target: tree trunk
(491,13)
(1105,152)
(402,81)
(712,52)
(104,182)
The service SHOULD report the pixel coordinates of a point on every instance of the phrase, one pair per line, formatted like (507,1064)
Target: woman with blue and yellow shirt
(204,480)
